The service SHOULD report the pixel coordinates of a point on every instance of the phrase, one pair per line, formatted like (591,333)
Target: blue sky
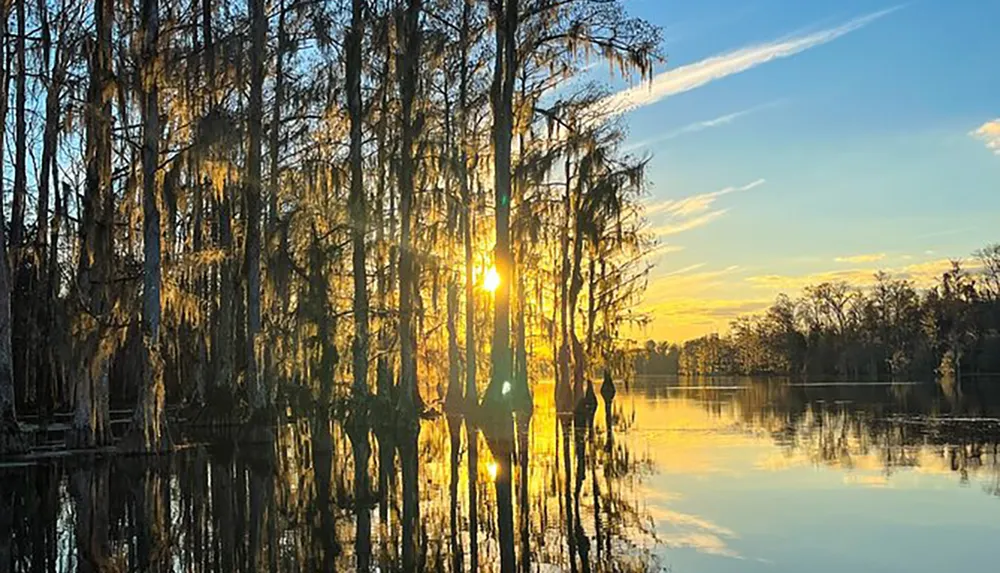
(798,141)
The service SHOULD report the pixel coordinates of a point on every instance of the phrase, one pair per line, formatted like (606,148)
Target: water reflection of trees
(293,504)
(882,427)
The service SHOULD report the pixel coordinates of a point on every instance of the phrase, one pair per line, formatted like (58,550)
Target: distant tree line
(890,330)
(656,358)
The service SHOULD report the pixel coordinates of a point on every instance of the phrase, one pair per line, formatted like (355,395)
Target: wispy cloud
(691,282)
(989,133)
(691,76)
(923,274)
(691,212)
(872,258)
(663,249)
(700,126)
(684,225)
(684,271)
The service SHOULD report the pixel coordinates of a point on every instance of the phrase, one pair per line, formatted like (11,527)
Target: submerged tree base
(12,439)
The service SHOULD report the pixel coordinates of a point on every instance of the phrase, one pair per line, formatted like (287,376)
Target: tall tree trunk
(8,414)
(358,429)
(20,136)
(22,343)
(318,300)
(383,376)
(46,295)
(357,204)
(521,393)
(409,426)
(148,422)
(4,83)
(564,394)
(575,286)
(252,204)
(523,403)
(90,421)
(591,301)
(496,403)
(223,391)
(48,134)
(408,67)
(471,393)
(502,95)
(453,397)
(279,295)
(274,147)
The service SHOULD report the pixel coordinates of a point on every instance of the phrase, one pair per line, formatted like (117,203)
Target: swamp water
(691,475)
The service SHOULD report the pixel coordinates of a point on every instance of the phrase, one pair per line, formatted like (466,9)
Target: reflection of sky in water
(733,478)
(733,492)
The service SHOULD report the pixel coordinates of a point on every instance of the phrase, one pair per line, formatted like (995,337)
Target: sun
(492,280)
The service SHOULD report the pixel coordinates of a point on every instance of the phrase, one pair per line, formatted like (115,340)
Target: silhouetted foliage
(887,331)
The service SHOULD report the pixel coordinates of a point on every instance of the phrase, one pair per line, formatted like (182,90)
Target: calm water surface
(691,475)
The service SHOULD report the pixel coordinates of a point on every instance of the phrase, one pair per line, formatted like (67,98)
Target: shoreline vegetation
(888,331)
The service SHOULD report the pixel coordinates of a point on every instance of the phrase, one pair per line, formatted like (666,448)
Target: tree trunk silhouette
(9,429)
(252,204)
(356,202)
(563,391)
(411,497)
(499,437)
(20,135)
(472,435)
(455,442)
(223,515)
(567,428)
(524,498)
(151,518)
(276,257)
(453,396)
(409,63)
(575,287)
(261,490)
(361,450)
(471,393)
(496,403)
(322,453)
(90,421)
(148,432)
(89,488)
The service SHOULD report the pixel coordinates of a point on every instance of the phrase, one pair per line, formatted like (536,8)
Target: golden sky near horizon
(696,300)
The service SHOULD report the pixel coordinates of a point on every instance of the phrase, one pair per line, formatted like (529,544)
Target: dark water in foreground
(741,475)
